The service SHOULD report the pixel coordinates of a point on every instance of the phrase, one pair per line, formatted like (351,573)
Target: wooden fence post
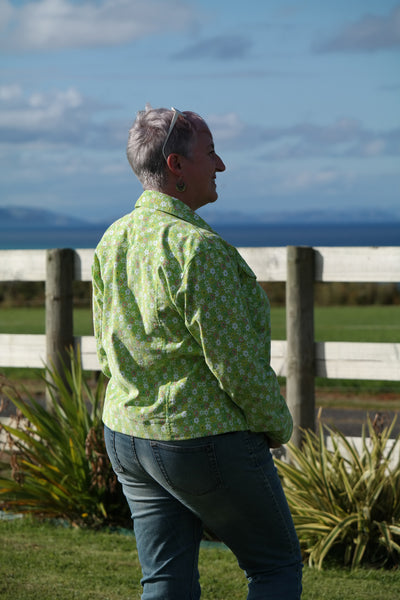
(59,306)
(300,391)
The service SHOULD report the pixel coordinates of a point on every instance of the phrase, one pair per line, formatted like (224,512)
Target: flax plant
(346,502)
(56,456)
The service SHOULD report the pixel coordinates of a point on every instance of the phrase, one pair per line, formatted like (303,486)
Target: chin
(213,197)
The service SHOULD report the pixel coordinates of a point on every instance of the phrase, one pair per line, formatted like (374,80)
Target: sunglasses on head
(177,113)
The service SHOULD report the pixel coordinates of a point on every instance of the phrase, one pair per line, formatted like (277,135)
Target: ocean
(270,235)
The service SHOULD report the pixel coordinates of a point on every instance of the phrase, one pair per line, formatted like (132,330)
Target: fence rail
(299,358)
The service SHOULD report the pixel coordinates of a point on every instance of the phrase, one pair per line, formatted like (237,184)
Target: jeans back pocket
(188,468)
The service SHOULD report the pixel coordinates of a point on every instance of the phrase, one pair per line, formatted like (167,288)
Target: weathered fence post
(300,392)
(59,306)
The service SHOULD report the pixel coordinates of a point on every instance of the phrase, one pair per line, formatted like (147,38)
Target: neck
(170,190)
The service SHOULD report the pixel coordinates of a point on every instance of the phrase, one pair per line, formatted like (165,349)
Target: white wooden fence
(299,358)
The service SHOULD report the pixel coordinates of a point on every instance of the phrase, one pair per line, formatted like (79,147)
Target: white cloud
(54,24)
(39,115)
(66,118)
(221,47)
(344,137)
(375,147)
(55,118)
(10,93)
(369,34)
(226,127)
(309,179)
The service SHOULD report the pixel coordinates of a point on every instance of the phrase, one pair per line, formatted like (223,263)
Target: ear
(174,162)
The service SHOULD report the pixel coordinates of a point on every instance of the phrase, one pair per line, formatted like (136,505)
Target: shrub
(346,503)
(59,467)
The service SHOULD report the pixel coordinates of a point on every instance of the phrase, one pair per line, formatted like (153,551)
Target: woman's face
(200,169)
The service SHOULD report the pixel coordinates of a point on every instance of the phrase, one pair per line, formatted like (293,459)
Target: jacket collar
(157,201)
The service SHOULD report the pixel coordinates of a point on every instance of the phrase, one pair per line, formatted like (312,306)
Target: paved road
(350,421)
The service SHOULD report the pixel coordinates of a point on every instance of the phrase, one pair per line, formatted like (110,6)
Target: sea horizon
(246,235)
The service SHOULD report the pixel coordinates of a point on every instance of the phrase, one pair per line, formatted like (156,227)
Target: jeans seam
(118,466)
(276,506)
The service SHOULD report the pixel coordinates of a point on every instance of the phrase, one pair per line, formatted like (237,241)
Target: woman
(192,406)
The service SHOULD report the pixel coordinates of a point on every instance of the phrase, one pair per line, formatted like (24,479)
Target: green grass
(56,563)
(332,323)
(351,324)
(347,323)
(32,320)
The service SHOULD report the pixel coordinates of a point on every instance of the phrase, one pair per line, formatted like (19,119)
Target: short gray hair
(146,139)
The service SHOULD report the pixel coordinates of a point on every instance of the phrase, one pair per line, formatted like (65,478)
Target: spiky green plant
(57,457)
(346,503)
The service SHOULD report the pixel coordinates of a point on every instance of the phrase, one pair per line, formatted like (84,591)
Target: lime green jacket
(182,329)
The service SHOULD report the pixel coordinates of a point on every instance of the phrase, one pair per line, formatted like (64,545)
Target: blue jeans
(228,483)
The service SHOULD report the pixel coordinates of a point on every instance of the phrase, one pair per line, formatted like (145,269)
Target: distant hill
(27,218)
(34,228)
(302,217)
(22,217)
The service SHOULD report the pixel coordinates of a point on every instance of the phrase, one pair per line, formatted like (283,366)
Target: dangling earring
(180,186)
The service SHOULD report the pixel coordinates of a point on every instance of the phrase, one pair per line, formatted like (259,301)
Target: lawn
(347,323)
(32,320)
(375,323)
(60,563)
(332,323)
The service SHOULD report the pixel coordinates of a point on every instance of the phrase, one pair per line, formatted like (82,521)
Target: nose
(219,164)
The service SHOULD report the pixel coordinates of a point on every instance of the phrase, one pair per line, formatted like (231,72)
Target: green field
(332,323)
(32,320)
(49,562)
(347,323)
(375,323)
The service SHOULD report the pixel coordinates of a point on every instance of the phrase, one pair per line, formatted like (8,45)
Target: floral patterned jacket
(182,329)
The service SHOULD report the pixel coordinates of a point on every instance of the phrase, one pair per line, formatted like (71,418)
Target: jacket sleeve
(97,305)
(227,313)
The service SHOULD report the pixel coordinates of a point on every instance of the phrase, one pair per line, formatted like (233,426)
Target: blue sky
(303,99)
